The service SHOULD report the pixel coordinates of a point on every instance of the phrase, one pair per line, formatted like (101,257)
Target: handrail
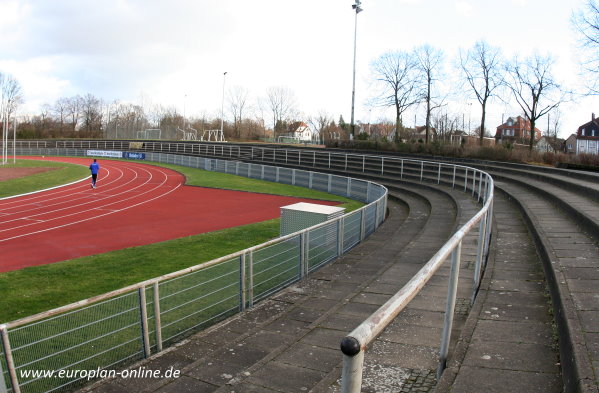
(354,344)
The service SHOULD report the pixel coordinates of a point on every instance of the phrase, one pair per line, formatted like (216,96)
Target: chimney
(593,117)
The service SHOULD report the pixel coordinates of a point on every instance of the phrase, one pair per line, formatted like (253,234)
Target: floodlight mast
(222,107)
(357,7)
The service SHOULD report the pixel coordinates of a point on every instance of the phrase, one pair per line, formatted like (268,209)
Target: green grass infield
(40,288)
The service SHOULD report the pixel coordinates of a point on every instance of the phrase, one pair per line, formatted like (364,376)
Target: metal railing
(352,229)
(128,324)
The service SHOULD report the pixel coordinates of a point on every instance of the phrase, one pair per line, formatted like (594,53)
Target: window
(582,132)
(569,146)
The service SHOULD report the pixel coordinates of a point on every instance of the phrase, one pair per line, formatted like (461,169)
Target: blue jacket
(95,168)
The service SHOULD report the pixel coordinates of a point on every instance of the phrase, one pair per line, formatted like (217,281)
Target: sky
(175,52)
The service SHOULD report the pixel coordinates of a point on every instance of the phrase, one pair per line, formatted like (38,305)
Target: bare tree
(73,110)
(586,23)
(281,102)
(238,101)
(321,122)
(91,112)
(481,65)
(534,88)
(554,123)
(397,78)
(11,95)
(429,62)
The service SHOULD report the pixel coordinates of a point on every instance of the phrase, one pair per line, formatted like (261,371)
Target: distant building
(549,144)
(570,144)
(587,137)
(516,129)
(302,131)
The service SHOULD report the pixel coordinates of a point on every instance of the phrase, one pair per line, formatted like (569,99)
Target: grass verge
(63,174)
(35,289)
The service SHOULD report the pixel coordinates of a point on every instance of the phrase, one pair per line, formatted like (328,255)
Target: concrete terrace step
(508,343)
(572,260)
(290,343)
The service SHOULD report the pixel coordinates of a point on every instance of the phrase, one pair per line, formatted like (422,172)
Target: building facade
(516,129)
(587,137)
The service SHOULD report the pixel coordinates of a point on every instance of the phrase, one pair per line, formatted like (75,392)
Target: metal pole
(357,8)
(242,282)
(351,376)
(450,307)
(222,108)
(157,317)
(145,335)
(479,256)
(14,143)
(12,372)
(250,262)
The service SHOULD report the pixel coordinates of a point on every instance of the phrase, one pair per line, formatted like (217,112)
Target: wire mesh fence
(130,324)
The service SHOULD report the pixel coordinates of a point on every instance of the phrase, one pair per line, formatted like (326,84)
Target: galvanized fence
(354,227)
(60,349)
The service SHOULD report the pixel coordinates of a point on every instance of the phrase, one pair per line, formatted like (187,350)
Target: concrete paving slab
(480,379)
(516,312)
(579,285)
(517,285)
(186,384)
(326,338)
(586,301)
(412,334)
(512,356)
(532,331)
(415,356)
(286,378)
(589,321)
(311,357)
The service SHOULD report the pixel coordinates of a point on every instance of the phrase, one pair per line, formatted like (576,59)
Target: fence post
(480,182)
(466,180)
(293,177)
(421,169)
(479,256)
(439,175)
(362,224)
(353,362)
(450,308)
(330,183)
(145,335)
(302,256)
(250,263)
(382,165)
(306,253)
(453,180)
(242,282)
(401,172)
(363,163)
(12,372)
(310,179)
(157,319)
(340,236)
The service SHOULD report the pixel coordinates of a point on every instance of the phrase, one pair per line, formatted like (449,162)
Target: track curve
(135,204)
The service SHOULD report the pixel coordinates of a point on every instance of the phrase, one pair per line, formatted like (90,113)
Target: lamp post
(358,9)
(222,108)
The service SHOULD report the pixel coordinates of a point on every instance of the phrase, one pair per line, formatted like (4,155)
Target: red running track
(134,204)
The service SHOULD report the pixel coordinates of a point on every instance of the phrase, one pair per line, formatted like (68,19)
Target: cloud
(464,8)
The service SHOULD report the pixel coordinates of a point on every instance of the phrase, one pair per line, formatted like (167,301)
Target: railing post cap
(350,346)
